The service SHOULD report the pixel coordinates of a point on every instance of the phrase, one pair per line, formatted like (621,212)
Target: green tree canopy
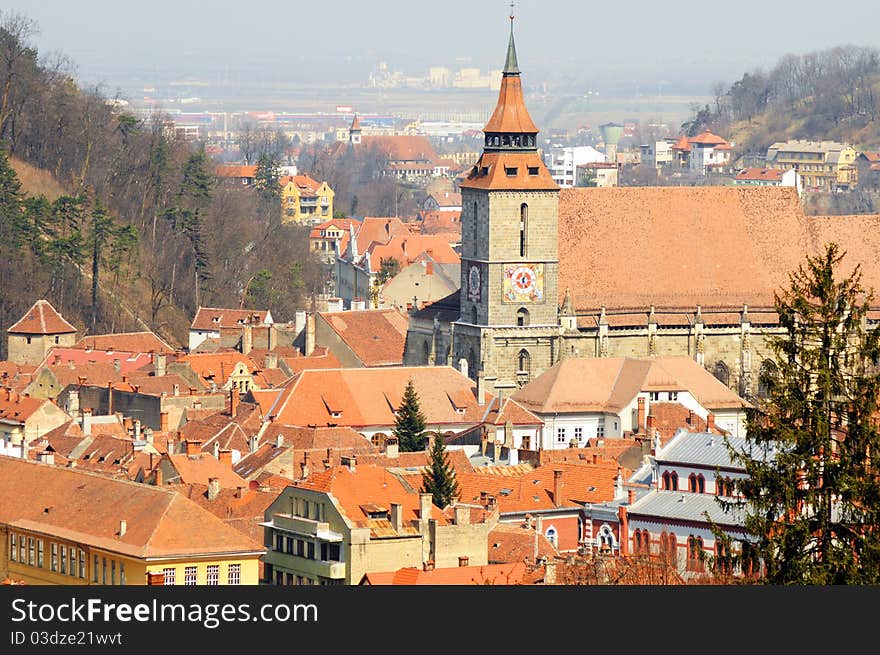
(410,421)
(439,479)
(812,496)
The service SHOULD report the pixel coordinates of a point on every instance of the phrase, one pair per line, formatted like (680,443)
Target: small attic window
(484,170)
(506,492)
(511,171)
(533,170)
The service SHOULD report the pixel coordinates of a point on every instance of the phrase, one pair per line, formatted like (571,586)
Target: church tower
(508,322)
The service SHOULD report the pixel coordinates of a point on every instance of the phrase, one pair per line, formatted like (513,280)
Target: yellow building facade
(822,165)
(305,200)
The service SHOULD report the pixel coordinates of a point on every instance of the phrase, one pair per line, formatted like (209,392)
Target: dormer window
(533,170)
(510,171)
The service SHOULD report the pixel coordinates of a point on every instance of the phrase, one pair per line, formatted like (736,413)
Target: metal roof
(684,506)
(706,449)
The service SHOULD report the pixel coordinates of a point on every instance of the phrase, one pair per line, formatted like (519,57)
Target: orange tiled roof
(403,148)
(133,342)
(683,143)
(213,318)
(492,172)
(370,485)
(492,574)
(16,376)
(762,174)
(232,170)
(406,249)
(200,468)
(707,138)
(373,228)
(369,396)
(88,508)
(18,408)
(511,542)
(41,318)
(376,336)
(434,222)
(533,489)
(765,226)
(217,366)
(510,113)
(608,384)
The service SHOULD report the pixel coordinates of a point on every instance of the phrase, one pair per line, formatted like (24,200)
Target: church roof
(515,171)
(719,247)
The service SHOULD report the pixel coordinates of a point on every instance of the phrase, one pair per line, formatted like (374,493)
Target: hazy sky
(648,42)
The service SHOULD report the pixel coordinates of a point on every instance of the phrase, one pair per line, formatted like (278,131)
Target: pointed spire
(510,65)
(567,309)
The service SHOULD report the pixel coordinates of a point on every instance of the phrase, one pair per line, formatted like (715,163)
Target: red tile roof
(213,318)
(510,171)
(487,574)
(406,249)
(78,357)
(369,396)
(765,226)
(232,170)
(373,228)
(88,508)
(510,113)
(760,174)
(512,542)
(376,336)
(41,318)
(198,469)
(132,342)
(17,408)
(707,138)
(402,148)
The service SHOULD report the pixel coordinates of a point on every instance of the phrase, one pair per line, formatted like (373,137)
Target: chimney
(305,465)
(595,458)
(690,418)
(425,503)
(247,339)
(463,560)
(159,478)
(233,402)
(123,527)
(396,516)
(160,362)
(175,389)
(428,565)
(163,421)
(392,448)
(710,422)
(137,429)
(310,335)
(57,360)
(46,457)
(272,336)
(429,268)
(117,365)
(215,449)
(358,304)
(148,435)
(462,515)
(299,322)
(631,496)
(550,572)
(641,415)
(24,448)
(279,440)
(239,491)
(213,488)
(72,401)
(350,461)
(624,530)
(649,421)
(557,487)
(225,457)
(271,360)
(109,398)
(127,424)
(481,390)
(87,421)
(193,447)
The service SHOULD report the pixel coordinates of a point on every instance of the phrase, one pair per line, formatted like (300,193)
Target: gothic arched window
(524,362)
(722,373)
(522,316)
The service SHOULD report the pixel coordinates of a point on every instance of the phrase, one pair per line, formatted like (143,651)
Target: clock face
(523,280)
(474,282)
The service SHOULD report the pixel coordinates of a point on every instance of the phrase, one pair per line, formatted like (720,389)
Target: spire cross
(511,14)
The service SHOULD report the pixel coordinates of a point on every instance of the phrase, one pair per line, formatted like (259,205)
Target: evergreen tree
(812,496)
(409,424)
(439,479)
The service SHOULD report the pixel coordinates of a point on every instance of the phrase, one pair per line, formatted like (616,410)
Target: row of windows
(283,578)
(749,562)
(307,549)
(106,574)
(63,559)
(307,509)
(562,432)
(697,484)
(212,575)
(658,395)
